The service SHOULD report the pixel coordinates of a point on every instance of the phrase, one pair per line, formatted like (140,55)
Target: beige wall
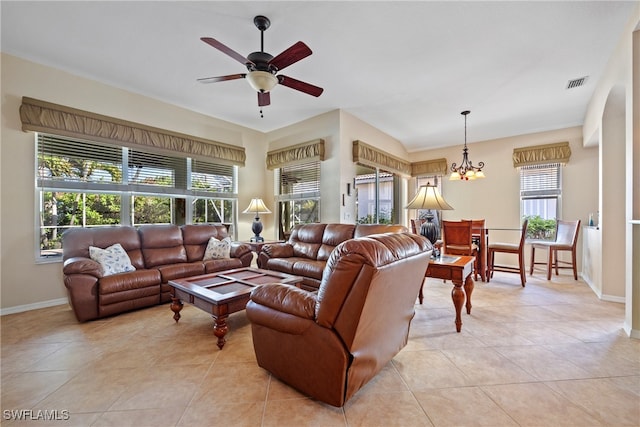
(611,121)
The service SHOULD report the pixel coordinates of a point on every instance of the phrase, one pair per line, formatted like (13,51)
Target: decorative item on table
(466,171)
(428,197)
(257,207)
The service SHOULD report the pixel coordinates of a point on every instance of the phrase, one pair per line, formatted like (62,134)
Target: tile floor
(550,354)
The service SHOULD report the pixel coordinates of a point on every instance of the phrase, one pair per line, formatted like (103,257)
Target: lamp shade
(262,81)
(257,206)
(428,197)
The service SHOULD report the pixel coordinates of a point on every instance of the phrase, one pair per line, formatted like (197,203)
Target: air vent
(577,82)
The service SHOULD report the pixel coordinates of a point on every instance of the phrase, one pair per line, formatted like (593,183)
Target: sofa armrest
(282,308)
(238,249)
(82,265)
(287,299)
(278,250)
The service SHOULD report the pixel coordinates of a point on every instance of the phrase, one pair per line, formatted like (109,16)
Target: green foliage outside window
(371,219)
(539,228)
(151,210)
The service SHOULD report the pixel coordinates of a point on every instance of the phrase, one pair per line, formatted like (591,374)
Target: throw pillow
(113,259)
(217,249)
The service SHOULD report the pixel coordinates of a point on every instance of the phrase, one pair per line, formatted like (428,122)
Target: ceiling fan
(263,68)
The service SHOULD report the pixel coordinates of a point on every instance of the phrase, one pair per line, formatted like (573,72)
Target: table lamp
(257,207)
(428,197)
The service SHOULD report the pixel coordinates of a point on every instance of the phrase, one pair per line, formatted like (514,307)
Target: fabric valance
(305,152)
(46,117)
(559,152)
(367,155)
(429,167)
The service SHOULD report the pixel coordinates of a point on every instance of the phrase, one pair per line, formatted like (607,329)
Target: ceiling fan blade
(290,56)
(264,98)
(299,85)
(225,49)
(222,78)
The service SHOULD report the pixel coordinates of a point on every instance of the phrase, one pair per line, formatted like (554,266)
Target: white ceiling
(406,68)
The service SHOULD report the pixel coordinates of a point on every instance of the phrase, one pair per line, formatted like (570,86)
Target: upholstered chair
(566,240)
(329,344)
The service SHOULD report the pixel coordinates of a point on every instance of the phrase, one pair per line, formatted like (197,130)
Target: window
(540,195)
(376,193)
(89,184)
(299,195)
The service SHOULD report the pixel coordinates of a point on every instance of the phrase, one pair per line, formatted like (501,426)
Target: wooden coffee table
(223,293)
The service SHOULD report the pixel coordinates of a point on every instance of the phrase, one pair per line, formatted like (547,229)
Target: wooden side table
(458,269)
(257,246)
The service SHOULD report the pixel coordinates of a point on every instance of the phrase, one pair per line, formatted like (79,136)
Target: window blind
(212,177)
(63,159)
(154,169)
(540,181)
(301,180)
(65,162)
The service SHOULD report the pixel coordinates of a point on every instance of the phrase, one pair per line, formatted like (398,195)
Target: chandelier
(466,170)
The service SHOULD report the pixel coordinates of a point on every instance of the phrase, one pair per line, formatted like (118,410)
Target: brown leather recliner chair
(331,343)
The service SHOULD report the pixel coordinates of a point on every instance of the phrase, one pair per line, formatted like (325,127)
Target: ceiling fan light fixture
(262,81)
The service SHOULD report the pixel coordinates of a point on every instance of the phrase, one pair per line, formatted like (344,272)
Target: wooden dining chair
(457,239)
(479,238)
(566,240)
(416,224)
(509,248)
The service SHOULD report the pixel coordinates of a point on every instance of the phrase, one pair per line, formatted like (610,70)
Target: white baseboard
(613,298)
(631,333)
(34,306)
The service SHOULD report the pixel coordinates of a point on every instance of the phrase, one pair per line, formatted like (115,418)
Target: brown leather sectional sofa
(306,252)
(328,344)
(159,253)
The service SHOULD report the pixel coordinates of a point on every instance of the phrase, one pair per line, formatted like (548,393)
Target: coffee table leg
(457,295)
(176,306)
(220,329)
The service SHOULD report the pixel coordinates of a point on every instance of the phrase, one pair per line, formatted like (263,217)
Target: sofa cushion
(369,229)
(217,249)
(178,271)
(214,265)
(309,268)
(306,240)
(162,245)
(113,259)
(284,265)
(76,242)
(129,281)
(196,237)
(334,234)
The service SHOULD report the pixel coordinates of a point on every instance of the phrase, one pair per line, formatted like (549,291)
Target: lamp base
(256,227)
(430,230)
